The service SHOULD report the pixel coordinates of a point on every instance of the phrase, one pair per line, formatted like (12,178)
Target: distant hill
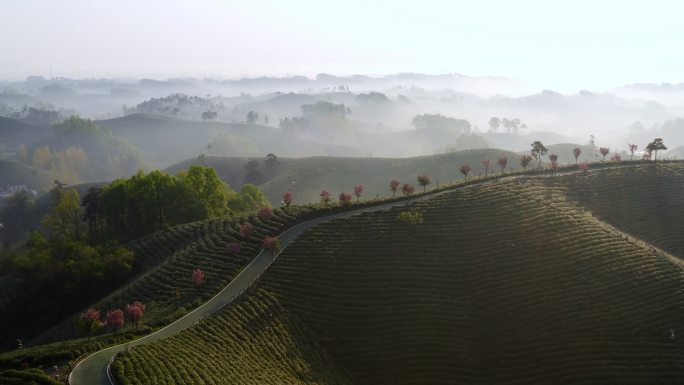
(14,133)
(306,177)
(15,173)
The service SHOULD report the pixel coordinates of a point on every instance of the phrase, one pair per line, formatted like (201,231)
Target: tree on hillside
(656,145)
(465,169)
(90,322)
(345,199)
(486,163)
(92,213)
(494,124)
(436,122)
(246,230)
(423,180)
(525,160)
(265,213)
(576,152)
(252,117)
(253,173)
(506,123)
(271,244)
(206,190)
(394,185)
(135,312)
(407,189)
(502,163)
(554,163)
(287,198)
(271,160)
(325,197)
(64,219)
(538,150)
(604,151)
(616,158)
(197,276)
(632,150)
(114,320)
(358,190)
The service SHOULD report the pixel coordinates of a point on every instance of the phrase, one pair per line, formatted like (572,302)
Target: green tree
(64,219)
(494,124)
(206,190)
(16,216)
(655,145)
(538,150)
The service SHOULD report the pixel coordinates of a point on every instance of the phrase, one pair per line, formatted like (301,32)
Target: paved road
(93,369)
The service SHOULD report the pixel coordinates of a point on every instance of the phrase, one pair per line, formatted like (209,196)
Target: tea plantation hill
(509,282)
(312,175)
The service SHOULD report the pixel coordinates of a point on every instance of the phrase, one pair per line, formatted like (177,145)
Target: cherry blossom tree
(632,150)
(265,213)
(407,189)
(358,190)
(486,163)
(502,163)
(246,229)
(616,158)
(394,185)
(233,248)
(114,319)
(423,180)
(584,166)
(465,169)
(135,312)
(90,321)
(604,151)
(345,199)
(525,160)
(325,197)
(271,244)
(198,276)
(576,152)
(287,198)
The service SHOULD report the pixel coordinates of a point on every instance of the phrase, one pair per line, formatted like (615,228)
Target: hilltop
(307,177)
(506,282)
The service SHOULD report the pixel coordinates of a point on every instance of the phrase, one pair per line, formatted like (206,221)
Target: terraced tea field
(504,283)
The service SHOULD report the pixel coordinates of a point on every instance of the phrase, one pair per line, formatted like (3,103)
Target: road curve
(93,370)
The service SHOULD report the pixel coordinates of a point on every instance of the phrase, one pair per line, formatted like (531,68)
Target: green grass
(505,283)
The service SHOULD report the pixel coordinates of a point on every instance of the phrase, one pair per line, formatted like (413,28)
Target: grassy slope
(509,283)
(311,175)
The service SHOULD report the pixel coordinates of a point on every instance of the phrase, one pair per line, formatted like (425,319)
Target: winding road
(94,369)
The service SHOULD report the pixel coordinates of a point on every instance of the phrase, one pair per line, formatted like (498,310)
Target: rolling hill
(509,282)
(15,173)
(311,175)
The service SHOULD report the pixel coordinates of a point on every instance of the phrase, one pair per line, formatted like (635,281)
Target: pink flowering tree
(525,160)
(407,189)
(90,321)
(423,180)
(486,163)
(584,166)
(246,230)
(265,213)
(135,311)
(465,169)
(325,197)
(287,198)
(197,276)
(502,163)
(114,319)
(233,248)
(271,244)
(394,185)
(616,158)
(604,151)
(632,150)
(345,199)
(358,190)
(576,152)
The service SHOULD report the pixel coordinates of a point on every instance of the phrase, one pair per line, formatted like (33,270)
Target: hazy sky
(562,45)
